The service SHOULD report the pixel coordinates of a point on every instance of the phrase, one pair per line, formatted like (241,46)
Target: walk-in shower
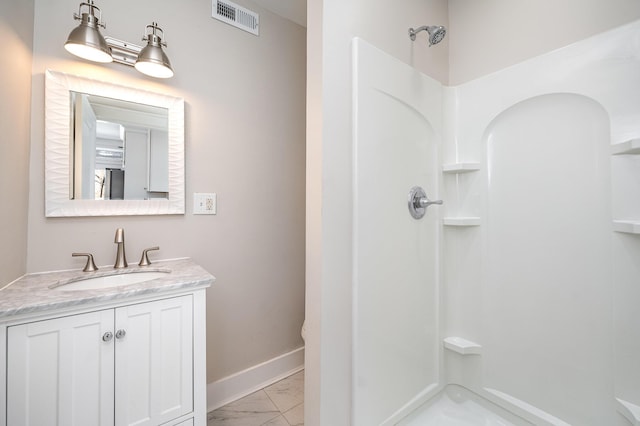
(436,33)
(490,310)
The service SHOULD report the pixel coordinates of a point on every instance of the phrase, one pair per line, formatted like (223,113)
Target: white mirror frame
(57,149)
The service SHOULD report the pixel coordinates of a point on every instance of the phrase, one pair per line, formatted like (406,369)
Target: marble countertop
(34,292)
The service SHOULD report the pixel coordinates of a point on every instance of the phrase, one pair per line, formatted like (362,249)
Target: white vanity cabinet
(136,363)
(60,371)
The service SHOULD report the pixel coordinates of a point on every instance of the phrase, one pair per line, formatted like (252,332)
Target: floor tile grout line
(274,404)
(272,401)
(295,406)
(272,419)
(278,411)
(281,415)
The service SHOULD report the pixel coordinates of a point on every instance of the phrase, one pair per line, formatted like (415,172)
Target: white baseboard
(238,385)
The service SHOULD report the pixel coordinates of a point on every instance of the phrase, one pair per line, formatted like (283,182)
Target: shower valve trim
(418,202)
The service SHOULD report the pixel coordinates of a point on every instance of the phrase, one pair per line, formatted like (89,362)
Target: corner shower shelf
(461,221)
(630,411)
(462,346)
(630,147)
(456,168)
(627,226)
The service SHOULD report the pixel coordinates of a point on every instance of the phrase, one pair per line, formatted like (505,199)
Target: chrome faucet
(121,258)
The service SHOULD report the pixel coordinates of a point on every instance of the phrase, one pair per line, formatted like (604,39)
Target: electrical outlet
(204,203)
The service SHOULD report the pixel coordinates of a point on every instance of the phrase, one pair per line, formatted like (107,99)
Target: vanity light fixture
(85,41)
(152,60)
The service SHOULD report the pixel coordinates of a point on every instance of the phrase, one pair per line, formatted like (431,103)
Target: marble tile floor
(280,404)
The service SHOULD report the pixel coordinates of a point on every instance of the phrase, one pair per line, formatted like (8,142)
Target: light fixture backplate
(123,52)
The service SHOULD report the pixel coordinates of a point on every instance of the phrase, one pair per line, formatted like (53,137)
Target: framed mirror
(111,150)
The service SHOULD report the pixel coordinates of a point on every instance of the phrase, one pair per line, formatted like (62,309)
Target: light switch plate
(204,203)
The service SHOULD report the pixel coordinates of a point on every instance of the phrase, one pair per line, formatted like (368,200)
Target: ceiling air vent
(235,15)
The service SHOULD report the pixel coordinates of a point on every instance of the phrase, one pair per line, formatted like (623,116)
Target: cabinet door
(60,371)
(154,361)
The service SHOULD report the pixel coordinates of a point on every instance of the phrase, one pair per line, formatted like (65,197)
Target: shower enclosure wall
(523,287)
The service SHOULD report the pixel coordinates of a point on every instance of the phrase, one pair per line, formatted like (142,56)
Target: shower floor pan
(458,406)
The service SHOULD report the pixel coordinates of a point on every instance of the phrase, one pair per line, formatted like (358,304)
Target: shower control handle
(425,202)
(418,202)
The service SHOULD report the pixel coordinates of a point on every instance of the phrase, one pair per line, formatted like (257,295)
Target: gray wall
(245,124)
(16,33)
(489,35)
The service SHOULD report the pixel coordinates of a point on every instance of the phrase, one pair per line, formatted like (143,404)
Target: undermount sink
(109,281)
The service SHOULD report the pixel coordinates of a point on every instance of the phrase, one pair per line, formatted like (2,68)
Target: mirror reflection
(119,149)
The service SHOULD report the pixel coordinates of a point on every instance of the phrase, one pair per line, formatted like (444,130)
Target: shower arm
(413,32)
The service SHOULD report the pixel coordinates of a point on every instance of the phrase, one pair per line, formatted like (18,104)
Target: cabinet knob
(120,334)
(106,337)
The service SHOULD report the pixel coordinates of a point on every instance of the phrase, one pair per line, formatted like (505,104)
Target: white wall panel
(552,301)
(397,115)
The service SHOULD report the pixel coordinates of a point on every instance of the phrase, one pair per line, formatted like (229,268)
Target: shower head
(436,33)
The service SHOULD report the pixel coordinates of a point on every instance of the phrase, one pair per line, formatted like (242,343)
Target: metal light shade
(85,40)
(152,60)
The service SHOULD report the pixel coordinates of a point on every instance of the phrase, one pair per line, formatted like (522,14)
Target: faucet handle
(119,238)
(90,266)
(144,260)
